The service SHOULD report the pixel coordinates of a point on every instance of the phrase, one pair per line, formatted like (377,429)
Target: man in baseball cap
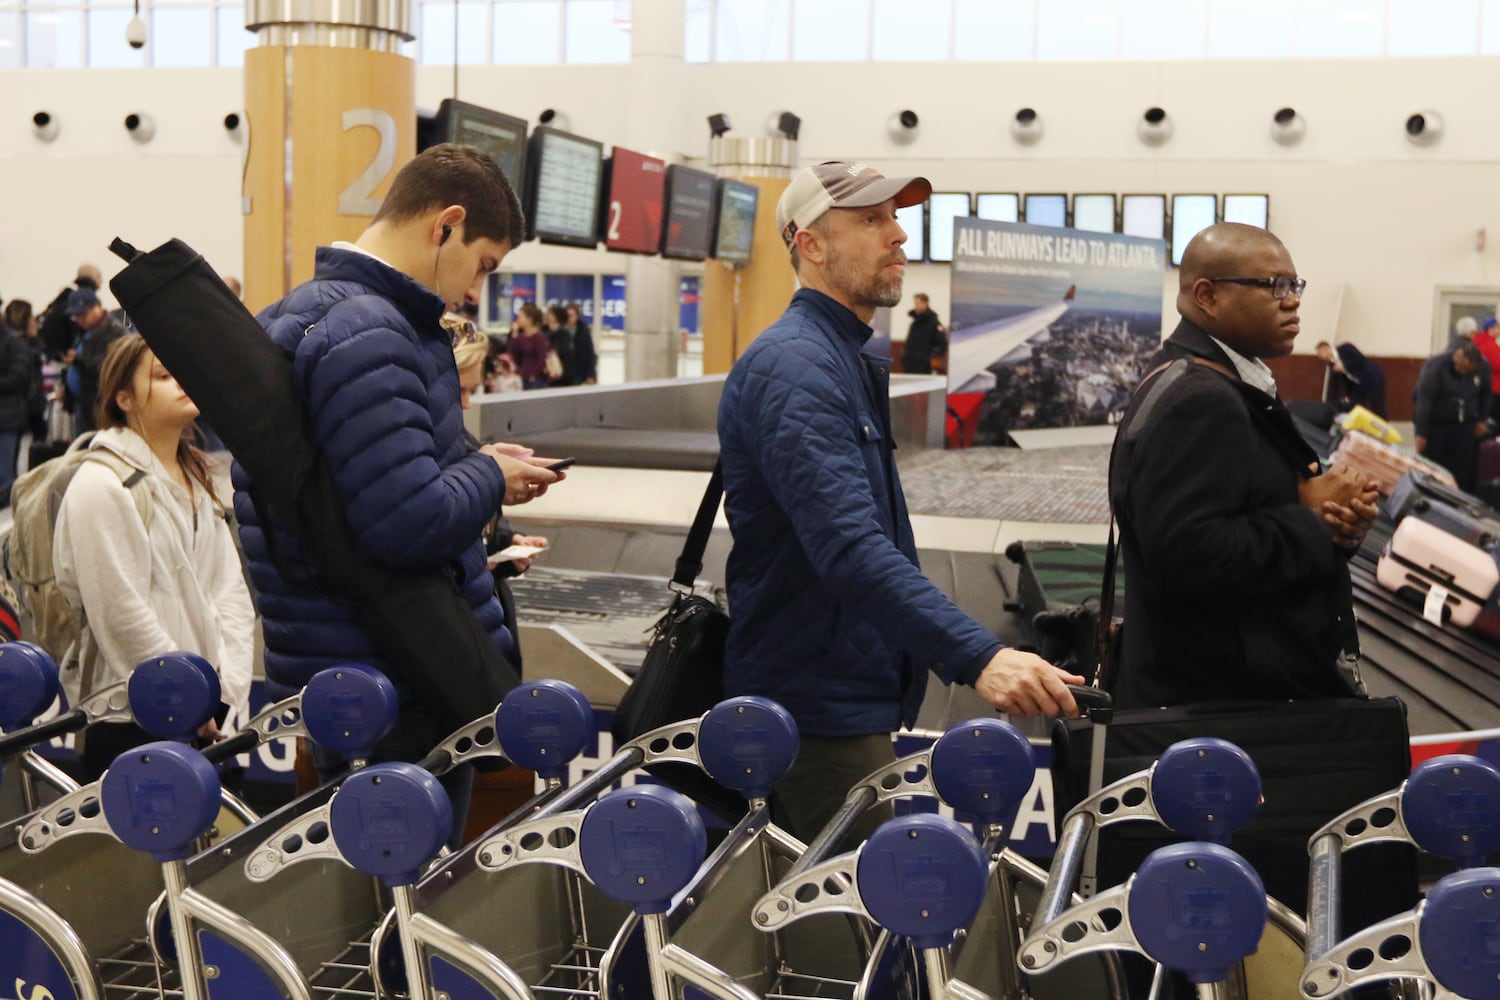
(832,616)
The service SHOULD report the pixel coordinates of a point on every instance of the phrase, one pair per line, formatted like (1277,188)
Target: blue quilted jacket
(830,614)
(376,371)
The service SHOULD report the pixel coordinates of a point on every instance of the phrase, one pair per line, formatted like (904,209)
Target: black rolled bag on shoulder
(242,384)
(1316,758)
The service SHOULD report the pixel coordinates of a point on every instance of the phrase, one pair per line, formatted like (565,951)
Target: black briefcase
(1316,759)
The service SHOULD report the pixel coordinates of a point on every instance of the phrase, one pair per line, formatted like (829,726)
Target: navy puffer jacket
(830,614)
(376,371)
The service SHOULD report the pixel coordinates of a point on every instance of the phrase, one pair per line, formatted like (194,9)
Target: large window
(64,34)
(1092,30)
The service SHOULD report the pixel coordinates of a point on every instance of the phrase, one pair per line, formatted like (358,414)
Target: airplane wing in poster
(973,351)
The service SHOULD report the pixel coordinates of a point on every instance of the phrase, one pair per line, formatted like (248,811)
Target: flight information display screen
(913,219)
(567,173)
(735,233)
(942,208)
(1251,209)
(501,136)
(1191,214)
(1094,213)
(637,195)
(689,226)
(1047,210)
(999,207)
(1144,215)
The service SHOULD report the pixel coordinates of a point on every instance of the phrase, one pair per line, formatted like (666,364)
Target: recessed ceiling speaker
(1154,127)
(903,126)
(1423,128)
(1288,126)
(1026,126)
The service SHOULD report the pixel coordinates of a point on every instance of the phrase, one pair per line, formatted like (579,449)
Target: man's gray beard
(877,290)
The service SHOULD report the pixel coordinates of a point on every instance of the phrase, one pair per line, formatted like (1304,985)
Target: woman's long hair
(118,373)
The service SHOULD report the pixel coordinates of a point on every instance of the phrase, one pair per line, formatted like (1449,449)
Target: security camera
(783,124)
(1424,127)
(718,125)
(553,118)
(233,123)
(1155,127)
(44,126)
(135,32)
(1026,126)
(902,126)
(1288,126)
(141,126)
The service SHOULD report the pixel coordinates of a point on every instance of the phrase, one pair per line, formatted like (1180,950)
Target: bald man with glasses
(1237,541)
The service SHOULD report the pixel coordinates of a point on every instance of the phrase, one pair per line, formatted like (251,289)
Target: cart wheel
(1205,788)
(983,768)
(641,845)
(389,820)
(173,694)
(1198,909)
(348,708)
(160,798)
(1451,807)
(28,683)
(748,744)
(543,725)
(1458,934)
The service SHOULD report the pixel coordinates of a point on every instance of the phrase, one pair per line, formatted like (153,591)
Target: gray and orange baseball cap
(838,184)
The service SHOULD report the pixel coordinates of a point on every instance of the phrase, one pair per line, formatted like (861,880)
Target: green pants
(814,789)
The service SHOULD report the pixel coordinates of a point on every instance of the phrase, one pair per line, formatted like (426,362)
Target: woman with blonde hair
(155,576)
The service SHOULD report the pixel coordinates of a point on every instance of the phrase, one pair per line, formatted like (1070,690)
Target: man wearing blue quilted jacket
(831,615)
(375,368)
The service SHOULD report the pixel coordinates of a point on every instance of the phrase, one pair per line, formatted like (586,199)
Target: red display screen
(633,212)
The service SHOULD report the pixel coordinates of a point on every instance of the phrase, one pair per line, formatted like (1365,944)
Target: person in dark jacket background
(1353,379)
(925,340)
(1452,408)
(832,616)
(583,346)
(19,375)
(560,340)
(374,366)
(101,329)
(20,318)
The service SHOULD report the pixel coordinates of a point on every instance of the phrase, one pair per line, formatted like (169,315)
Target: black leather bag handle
(690,563)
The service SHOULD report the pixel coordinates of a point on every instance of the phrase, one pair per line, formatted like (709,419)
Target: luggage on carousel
(1487,472)
(1385,463)
(1447,577)
(1416,489)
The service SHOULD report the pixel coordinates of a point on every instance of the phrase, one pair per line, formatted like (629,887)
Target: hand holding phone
(560,465)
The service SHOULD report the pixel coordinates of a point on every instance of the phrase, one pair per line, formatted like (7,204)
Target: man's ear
(809,245)
(1206,295)
(448,217)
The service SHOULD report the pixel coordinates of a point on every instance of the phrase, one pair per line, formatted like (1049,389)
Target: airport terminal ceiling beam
(331,116)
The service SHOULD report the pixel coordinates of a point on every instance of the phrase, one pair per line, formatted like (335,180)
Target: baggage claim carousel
(617,527)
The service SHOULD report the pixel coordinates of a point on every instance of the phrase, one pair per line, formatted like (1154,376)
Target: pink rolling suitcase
(1447,577)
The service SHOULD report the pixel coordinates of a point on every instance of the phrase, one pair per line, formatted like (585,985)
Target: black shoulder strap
(690,563)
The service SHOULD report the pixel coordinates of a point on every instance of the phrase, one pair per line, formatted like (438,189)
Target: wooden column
(331,112)
(738,303)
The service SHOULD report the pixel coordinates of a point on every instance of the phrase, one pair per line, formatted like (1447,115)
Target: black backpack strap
(690,563)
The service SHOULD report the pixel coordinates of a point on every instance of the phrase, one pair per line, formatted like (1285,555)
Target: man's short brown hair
(450,174)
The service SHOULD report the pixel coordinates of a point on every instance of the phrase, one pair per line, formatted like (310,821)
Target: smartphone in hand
(560,465)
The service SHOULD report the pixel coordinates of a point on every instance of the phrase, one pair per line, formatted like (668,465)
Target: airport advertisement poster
(1049,327)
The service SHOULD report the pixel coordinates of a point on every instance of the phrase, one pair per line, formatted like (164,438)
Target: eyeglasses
(1280,286)
(461,331)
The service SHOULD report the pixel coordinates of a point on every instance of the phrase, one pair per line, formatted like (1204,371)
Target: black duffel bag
(1316,758)
(683,673)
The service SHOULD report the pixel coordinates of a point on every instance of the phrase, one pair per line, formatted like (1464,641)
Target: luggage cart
(28,687)
(233,900)
(1203,788)
(1450,808)
(557,933)
(75,911)
(1196,908)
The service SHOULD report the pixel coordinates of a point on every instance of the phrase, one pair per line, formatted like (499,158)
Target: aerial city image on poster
(1050,327)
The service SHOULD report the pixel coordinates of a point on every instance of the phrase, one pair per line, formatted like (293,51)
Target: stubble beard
(878,289)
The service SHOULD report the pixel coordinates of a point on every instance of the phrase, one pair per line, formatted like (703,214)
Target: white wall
(1356,203)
